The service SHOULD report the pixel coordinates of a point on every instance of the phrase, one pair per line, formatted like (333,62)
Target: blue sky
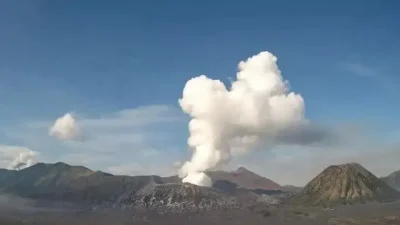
(97,58)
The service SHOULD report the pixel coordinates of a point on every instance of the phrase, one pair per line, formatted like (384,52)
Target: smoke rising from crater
(257,109)
(24,160)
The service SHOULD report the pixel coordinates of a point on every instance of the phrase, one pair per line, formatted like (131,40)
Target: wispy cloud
(297,165)
(140,169)
(359,69)
(126,118)
(141,135)
(84,158)
(377,73)
(167,168)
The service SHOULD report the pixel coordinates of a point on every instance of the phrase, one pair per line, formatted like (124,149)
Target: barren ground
(369,214)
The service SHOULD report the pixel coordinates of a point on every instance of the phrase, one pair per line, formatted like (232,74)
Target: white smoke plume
(66,128)
(24,160)
(177,164)
(258,109)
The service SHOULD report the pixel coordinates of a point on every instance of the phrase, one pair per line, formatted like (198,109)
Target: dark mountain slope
(60,181)
(393,180)
(4,174)
(345,184)
(42,177)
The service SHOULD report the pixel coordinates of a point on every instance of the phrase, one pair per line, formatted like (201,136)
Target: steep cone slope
(345,184)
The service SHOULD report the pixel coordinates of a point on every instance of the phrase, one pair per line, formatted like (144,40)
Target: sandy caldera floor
(369,214)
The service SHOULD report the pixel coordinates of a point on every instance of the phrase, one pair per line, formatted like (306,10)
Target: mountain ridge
(60,181)
(78,184)
(337,184)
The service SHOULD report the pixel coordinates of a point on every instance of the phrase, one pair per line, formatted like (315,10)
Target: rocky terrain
(80,185)
(367,214)
(4,173)
(179,198)
(345,184)
(64,194)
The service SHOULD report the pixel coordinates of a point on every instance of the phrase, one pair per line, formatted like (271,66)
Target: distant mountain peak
(395,173)
(393,180)
(345,184)
(243,178)
(61,164)
(242,170)
(352,164)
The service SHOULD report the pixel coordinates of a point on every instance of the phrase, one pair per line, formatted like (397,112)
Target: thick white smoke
(66,128)
(257,109)
(24,160)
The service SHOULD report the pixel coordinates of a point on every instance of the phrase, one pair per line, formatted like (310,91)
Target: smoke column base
(199,179)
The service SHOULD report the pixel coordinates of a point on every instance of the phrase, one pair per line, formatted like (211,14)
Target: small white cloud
(17,157)
(66,128)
